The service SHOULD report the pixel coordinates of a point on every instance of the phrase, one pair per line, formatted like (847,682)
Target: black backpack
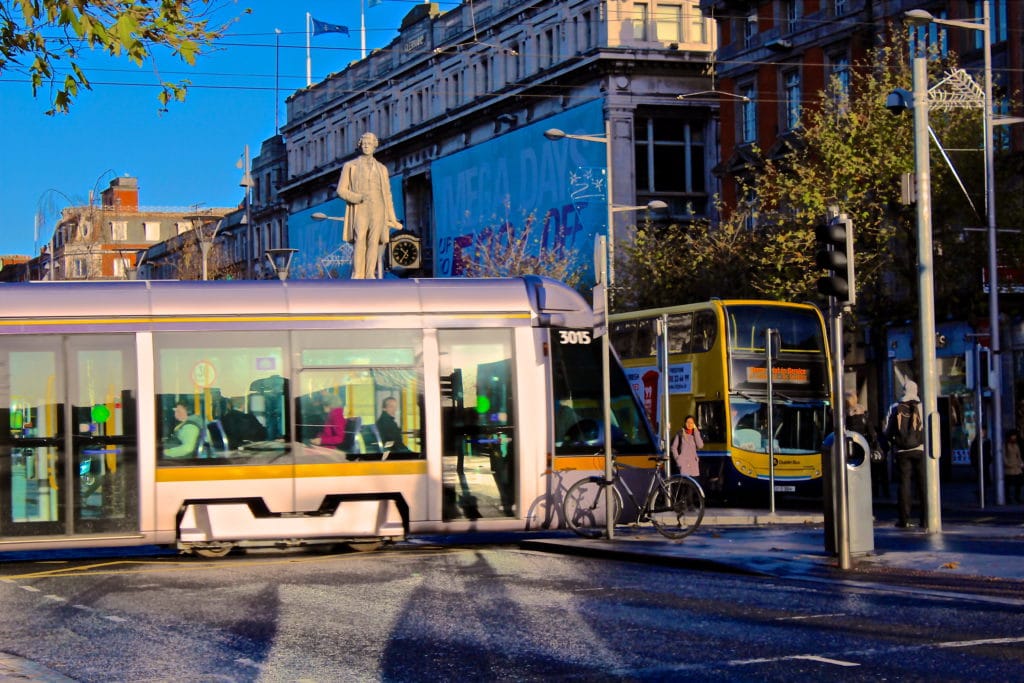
(907,431)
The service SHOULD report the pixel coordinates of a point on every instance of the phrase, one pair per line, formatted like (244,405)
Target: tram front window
(578,395)
(797,427)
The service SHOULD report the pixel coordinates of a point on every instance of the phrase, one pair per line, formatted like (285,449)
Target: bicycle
(673,504)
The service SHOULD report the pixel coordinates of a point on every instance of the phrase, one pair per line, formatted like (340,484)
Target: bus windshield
(799,329)
(798,427)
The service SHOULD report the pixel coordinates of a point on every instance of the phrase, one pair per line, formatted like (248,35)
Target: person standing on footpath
(684,447)
(858,420)
(904,431)
(370,210)
(1013,468)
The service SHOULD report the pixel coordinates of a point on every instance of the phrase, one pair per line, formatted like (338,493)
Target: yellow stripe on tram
(239,472)
(150,320)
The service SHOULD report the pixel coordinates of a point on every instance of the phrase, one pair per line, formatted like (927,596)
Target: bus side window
(705,329)
(680,332)
(711,420)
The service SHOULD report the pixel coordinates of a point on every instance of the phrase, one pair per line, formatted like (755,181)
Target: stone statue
(370,210)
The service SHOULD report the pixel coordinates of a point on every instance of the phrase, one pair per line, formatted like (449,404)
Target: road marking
(30,589)
(982,641)
(111,617)
(810,616)
(825,660)
(785,658)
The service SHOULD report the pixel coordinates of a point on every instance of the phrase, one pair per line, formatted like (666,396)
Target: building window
(791,98)
(839,7)
(749,25)
(668,22)
(698,32)
(748,120)
(997,19)
(119,231)
(792,11)
(118,265)
(640,18)
(839,73)
(152,230)
(670,160)
(78,268)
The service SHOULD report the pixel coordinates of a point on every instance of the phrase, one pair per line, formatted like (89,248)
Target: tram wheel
(365,546)
(214,551)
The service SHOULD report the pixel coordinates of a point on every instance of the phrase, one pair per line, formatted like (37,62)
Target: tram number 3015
(574,337)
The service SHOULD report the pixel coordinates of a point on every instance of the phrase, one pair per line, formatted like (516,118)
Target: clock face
(404,253)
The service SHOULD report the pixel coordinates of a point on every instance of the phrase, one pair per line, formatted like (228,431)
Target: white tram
(493,388)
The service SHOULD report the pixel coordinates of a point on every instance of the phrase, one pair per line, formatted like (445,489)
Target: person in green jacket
(183,442)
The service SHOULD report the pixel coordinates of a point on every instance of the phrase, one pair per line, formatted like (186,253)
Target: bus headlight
(744,467)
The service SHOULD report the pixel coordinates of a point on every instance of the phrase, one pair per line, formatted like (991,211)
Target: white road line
(112,617)
(810,616)
(825,660)
(30,589)
(982,641)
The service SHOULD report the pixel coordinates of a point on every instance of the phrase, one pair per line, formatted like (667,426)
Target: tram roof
(548,302)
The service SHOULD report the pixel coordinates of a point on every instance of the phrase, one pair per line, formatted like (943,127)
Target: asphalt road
(486,613)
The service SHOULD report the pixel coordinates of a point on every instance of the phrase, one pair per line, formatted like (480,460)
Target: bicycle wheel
(585,507)
(676,507)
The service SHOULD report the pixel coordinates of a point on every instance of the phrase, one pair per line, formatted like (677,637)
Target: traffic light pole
(839,493)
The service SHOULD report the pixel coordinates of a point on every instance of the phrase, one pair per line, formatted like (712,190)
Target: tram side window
(360,395)
(222,398)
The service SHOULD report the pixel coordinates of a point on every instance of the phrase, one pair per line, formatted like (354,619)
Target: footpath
(979,549)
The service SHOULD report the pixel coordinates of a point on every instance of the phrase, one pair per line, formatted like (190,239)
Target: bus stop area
(976,545)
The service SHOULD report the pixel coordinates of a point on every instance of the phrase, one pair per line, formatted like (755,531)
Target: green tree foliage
(850,153)
(47,39)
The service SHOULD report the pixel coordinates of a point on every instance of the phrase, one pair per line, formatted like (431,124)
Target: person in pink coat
(685,445)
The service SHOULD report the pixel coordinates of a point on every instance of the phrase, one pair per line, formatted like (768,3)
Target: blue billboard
(519,179)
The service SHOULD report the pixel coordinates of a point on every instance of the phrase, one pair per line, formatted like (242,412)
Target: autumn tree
(46,39)
(504,251)
(849,153)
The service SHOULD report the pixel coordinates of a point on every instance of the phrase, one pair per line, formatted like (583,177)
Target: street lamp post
(281,261)
(919,16)
(604,271)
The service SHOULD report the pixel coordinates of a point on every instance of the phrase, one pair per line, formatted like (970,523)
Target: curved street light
(922,17)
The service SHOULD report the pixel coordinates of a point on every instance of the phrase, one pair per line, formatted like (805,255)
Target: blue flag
(372,3)
(323,27)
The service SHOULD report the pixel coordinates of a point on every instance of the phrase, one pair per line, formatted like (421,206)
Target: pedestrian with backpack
(904,430)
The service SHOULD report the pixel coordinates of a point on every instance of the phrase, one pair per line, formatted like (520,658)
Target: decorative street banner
(521,178)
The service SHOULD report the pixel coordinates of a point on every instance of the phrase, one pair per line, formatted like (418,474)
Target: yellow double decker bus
(710,360)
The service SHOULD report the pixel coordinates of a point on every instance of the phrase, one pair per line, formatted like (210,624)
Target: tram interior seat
(350,444)
(214,440)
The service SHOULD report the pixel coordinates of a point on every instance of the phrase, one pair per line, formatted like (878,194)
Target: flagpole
(277,81)
(309,63)
(362,27)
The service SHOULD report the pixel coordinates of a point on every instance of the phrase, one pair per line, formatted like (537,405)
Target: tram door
(103,485)
(67,459)
(479,470)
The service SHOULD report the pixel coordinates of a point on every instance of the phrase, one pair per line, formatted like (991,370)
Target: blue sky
(187,155)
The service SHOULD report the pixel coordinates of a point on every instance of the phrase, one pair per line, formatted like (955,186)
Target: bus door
(479,447)
(102,425)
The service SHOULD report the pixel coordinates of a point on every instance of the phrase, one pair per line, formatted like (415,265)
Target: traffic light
(835,254)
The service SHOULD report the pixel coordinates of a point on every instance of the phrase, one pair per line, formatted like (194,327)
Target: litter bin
(860,516)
